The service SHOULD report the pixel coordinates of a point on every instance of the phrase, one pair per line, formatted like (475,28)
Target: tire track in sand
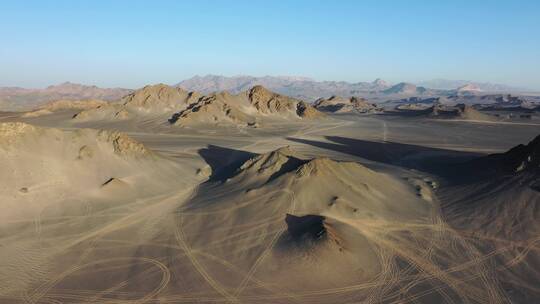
(180,237)
(266,251)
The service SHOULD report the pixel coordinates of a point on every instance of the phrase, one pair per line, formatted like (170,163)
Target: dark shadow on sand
(431,160)
(223,161)
(423,113)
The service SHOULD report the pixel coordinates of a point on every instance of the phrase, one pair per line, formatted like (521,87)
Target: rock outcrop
(246,109)
(336,104)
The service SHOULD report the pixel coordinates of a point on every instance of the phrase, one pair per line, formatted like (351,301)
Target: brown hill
(336,104)
(339,218)
(48,165)
(246,108)
(182,108)
(460,111)
(150,100)
(19,135)
(440,111)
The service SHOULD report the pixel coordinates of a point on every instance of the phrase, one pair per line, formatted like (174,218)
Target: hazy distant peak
(469,87)
(21,98)
(446,84)
(295,86)
(294,78)
(65,85)
(405,88)
(71,87)
(381,82)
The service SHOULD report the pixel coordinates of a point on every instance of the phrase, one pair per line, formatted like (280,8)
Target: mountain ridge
(448,84)
(297,87)
(13,98)
(311,90)
(17,98)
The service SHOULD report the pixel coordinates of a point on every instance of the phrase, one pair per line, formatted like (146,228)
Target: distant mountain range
(445,84)
(298,87)
(309,89)
(16,98)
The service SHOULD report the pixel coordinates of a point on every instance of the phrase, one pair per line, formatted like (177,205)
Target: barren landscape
(269,152)
(170,196)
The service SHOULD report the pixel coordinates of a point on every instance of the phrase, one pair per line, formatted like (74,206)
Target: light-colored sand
(346,209)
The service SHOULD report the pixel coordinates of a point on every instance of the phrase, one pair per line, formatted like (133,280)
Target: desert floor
(193,225)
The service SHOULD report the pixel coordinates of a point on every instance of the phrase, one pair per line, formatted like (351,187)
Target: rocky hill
(246,108)
(336,104)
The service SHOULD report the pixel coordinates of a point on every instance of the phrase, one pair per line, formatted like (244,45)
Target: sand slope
(502,192)
(496,202)
(44,165)
(60,188)
(64,104)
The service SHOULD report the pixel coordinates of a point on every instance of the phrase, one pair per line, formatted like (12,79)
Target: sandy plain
(345,209)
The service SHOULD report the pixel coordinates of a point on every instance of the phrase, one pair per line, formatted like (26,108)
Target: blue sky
(132,43)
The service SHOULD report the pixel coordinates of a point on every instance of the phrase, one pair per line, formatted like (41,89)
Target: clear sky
(132,43)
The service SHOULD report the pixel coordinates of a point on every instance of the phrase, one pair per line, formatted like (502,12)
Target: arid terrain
(167,195)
